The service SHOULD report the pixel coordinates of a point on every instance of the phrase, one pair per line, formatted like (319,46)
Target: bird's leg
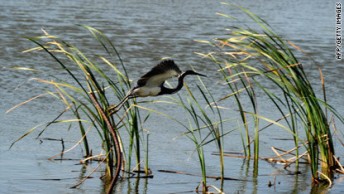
(114,108)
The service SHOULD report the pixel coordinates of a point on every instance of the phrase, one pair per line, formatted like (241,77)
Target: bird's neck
(165,90)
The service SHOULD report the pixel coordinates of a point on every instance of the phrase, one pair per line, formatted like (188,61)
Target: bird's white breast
(146,91)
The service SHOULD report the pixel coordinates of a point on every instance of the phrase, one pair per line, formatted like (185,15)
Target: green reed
(205,127)
(247,59)
(87,91)
(240,83)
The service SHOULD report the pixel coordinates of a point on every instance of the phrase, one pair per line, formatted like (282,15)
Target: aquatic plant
(88,95)
(247,59)
(205,127)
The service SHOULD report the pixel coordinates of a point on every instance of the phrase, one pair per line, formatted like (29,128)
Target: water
(144,32)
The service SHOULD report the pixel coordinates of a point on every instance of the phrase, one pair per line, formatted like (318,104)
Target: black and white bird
(152,83)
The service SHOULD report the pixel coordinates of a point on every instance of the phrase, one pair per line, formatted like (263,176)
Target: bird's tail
(114,108)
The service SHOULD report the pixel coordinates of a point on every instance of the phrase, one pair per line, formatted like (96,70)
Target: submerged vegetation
(250,62)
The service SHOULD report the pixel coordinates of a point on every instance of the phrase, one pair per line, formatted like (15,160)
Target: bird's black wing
(159,73)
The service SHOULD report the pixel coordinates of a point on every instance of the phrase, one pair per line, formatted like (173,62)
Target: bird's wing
(158,74)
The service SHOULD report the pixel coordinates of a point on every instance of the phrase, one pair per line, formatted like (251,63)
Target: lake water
(144,32)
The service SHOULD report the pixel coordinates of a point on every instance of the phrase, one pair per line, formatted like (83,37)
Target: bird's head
(191,72)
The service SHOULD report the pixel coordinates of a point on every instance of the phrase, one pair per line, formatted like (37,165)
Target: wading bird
(152,83)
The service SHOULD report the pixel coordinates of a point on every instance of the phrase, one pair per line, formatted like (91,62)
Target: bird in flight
(152,83)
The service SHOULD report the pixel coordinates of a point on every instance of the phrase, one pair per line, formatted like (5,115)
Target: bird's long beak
(191,72)
(200,74)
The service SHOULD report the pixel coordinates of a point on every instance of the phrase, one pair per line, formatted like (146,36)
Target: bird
(152,83)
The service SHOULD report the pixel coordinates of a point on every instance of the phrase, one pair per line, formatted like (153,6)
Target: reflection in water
(320,189)
(245,168)
(132,185)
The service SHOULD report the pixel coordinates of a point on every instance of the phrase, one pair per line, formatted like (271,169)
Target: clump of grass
(247,59)
(205,127)
(86,93)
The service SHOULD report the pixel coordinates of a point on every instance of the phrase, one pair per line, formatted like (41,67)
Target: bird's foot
(112,109)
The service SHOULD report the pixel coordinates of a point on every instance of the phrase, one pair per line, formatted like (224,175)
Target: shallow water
(144,32)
